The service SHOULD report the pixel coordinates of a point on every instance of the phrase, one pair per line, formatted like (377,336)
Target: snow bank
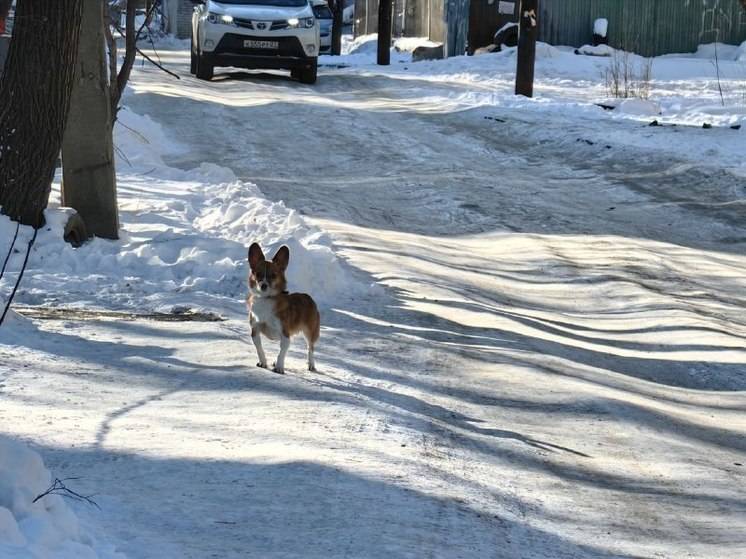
(721,51)
(15,328)
(141,141)
(408,44)
(641,107)
(183,241)
(362,50)
(41,530)
(363,44)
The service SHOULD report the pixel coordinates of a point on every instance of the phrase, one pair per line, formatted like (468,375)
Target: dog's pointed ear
(255,255)
(282,257)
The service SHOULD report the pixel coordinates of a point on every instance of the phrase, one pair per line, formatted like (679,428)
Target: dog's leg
(256,337)
(311,360)
(284,345)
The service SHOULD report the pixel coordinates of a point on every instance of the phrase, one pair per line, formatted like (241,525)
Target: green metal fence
(648,27)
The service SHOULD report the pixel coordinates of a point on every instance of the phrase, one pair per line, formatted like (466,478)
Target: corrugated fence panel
(411,18)
(485,18)
(638,30)
(457,26)
(649,27)
(702,21)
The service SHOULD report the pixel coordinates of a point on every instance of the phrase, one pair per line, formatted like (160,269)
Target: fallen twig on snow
(58,488)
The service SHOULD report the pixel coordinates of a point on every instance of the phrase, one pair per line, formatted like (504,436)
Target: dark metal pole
(338,14)
(527,33)
(384,32)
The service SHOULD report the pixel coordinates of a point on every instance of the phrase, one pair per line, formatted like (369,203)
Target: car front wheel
(309,75)
(205,70)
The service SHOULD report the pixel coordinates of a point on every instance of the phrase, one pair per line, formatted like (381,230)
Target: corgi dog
(276,313)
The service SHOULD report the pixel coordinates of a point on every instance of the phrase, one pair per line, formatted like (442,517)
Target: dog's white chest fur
(263,312)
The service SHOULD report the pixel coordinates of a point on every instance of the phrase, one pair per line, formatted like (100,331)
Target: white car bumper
(258,44)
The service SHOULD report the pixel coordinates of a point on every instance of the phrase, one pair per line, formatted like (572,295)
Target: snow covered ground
(533,319)
(684,90)
(33,524)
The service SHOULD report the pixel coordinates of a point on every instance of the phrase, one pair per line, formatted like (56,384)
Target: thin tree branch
(146,23)
(153,62)
(58,488)
(130,46)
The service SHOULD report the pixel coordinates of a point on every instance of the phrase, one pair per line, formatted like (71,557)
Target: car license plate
(253,44)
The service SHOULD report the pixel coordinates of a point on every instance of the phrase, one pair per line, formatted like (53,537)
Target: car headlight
(220,18)
(304,22)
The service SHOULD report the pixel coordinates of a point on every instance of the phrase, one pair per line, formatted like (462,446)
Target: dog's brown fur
(276,313)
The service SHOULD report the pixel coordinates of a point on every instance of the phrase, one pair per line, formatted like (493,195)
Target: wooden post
(338,8)
(527,33)
(384,32)
(88,176)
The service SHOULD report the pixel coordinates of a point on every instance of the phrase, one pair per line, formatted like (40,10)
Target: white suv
(280,34)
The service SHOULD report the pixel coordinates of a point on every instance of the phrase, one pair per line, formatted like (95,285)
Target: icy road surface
(554,368)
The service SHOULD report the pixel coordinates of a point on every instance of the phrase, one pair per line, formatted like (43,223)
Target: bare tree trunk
(89,180)
(34,101)
(5,8)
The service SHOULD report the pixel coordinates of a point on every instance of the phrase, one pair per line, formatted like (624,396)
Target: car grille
(233,44)
(245,23)
(275,25)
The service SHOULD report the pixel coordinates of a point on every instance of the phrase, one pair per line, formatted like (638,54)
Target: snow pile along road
(183,242)
(43,529)
(685,92)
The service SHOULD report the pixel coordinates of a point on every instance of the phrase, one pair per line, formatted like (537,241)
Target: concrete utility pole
(385,7)
(88,175)
(527,32)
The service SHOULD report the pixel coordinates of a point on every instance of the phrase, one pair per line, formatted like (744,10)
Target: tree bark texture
(34,100)
(5,8)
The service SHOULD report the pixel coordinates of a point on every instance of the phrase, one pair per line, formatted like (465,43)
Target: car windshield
(322,12)
(283,3)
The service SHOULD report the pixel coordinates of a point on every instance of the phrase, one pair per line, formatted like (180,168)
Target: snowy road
(555,367)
